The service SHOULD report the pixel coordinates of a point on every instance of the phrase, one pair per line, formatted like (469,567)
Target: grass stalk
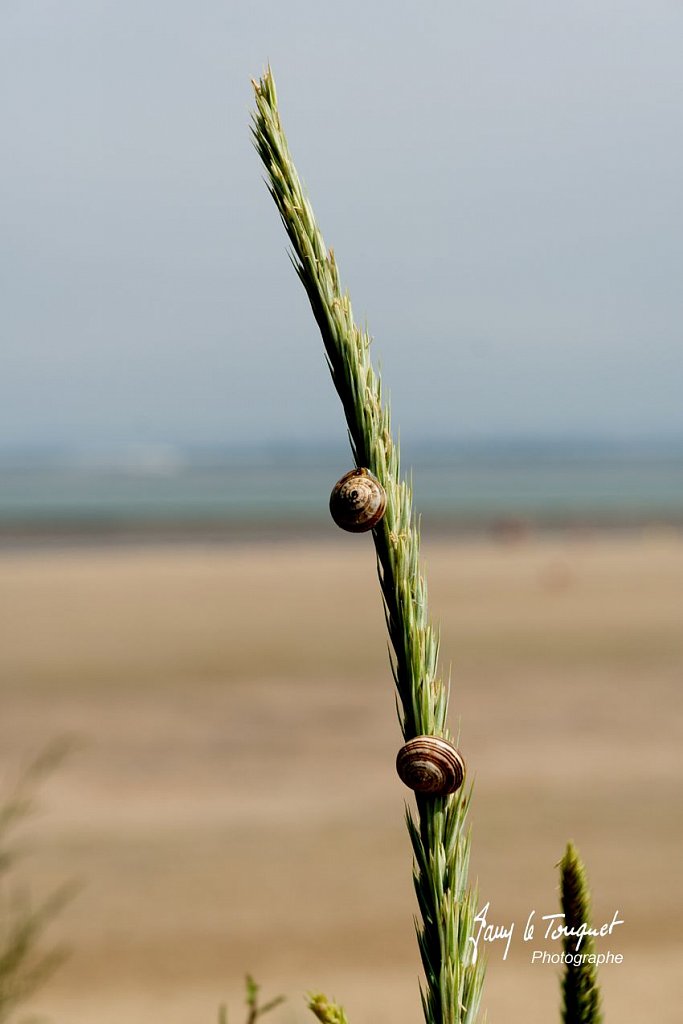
(580,991)
(437,829)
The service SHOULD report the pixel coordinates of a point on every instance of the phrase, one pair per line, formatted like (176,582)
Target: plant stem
(439,838)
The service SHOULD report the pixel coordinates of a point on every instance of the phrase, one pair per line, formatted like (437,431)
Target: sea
(169,494)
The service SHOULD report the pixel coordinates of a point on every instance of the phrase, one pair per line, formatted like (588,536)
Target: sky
(500,182)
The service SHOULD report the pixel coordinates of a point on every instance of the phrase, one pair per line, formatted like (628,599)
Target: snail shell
(358,501)
(431,765)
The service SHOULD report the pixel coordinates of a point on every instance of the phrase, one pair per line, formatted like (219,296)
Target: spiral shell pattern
(431,765)
(358,501)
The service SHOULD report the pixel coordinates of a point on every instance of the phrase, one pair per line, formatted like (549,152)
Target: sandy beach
(231,804)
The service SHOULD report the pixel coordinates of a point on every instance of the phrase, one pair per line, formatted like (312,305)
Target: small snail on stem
(431,765)
(358,501)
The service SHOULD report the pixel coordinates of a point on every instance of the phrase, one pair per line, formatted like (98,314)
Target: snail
(431,765)
(358,501)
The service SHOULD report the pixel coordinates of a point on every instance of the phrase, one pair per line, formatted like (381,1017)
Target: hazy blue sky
(501,182)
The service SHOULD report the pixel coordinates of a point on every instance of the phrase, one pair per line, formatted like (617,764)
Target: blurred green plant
(25,962)
(580,992)
(254,1011)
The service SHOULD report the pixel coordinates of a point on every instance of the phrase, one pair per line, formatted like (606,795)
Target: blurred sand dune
(234,806)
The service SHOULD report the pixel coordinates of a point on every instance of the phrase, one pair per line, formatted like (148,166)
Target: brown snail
(431,765)
(358,501)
